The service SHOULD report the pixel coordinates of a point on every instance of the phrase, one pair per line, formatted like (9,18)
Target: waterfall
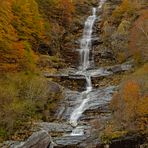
(77,131)
(85,48)
(85,43)
(89,83)
(78,112)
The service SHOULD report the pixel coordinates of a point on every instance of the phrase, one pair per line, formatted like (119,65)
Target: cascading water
(85,44)
(89,83)
(85,48)
(78,111)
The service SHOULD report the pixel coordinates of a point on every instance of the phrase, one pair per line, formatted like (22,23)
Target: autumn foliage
(130,104)
(139,38)
(24,25)
(19,24)
(126,9)
(24,99)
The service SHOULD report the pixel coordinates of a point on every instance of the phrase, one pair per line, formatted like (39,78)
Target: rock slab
(39,139)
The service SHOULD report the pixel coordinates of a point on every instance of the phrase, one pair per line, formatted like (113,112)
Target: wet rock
(55,127)
(116,69)
(69,141)
(76,74)
(54,87)
(99,100)
(39,139)
(120,68)
(76,78)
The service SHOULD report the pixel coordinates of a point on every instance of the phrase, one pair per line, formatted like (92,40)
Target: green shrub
(22,99)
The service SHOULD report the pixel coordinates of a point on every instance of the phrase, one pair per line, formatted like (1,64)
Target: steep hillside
(20,28)
(35,36)
(31,28)
(124,36)
(124,30)
(41,36)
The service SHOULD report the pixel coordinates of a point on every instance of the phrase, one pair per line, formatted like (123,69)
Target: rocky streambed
(58,134)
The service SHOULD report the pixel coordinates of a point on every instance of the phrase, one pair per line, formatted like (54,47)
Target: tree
(129,104)
(139,38)
(66,8)
(20,26)
(126,9)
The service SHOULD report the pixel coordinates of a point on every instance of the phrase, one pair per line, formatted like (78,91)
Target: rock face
(72,73)
(72,38)
(69,141)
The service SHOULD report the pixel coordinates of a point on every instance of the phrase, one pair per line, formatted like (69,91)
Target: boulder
(54,87)
(39,139)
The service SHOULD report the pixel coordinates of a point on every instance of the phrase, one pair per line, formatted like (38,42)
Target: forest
(39,36)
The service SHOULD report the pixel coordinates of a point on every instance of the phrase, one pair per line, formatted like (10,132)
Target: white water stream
(85,48)
(85,44)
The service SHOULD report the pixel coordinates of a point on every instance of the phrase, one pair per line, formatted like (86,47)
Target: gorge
(86,89)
